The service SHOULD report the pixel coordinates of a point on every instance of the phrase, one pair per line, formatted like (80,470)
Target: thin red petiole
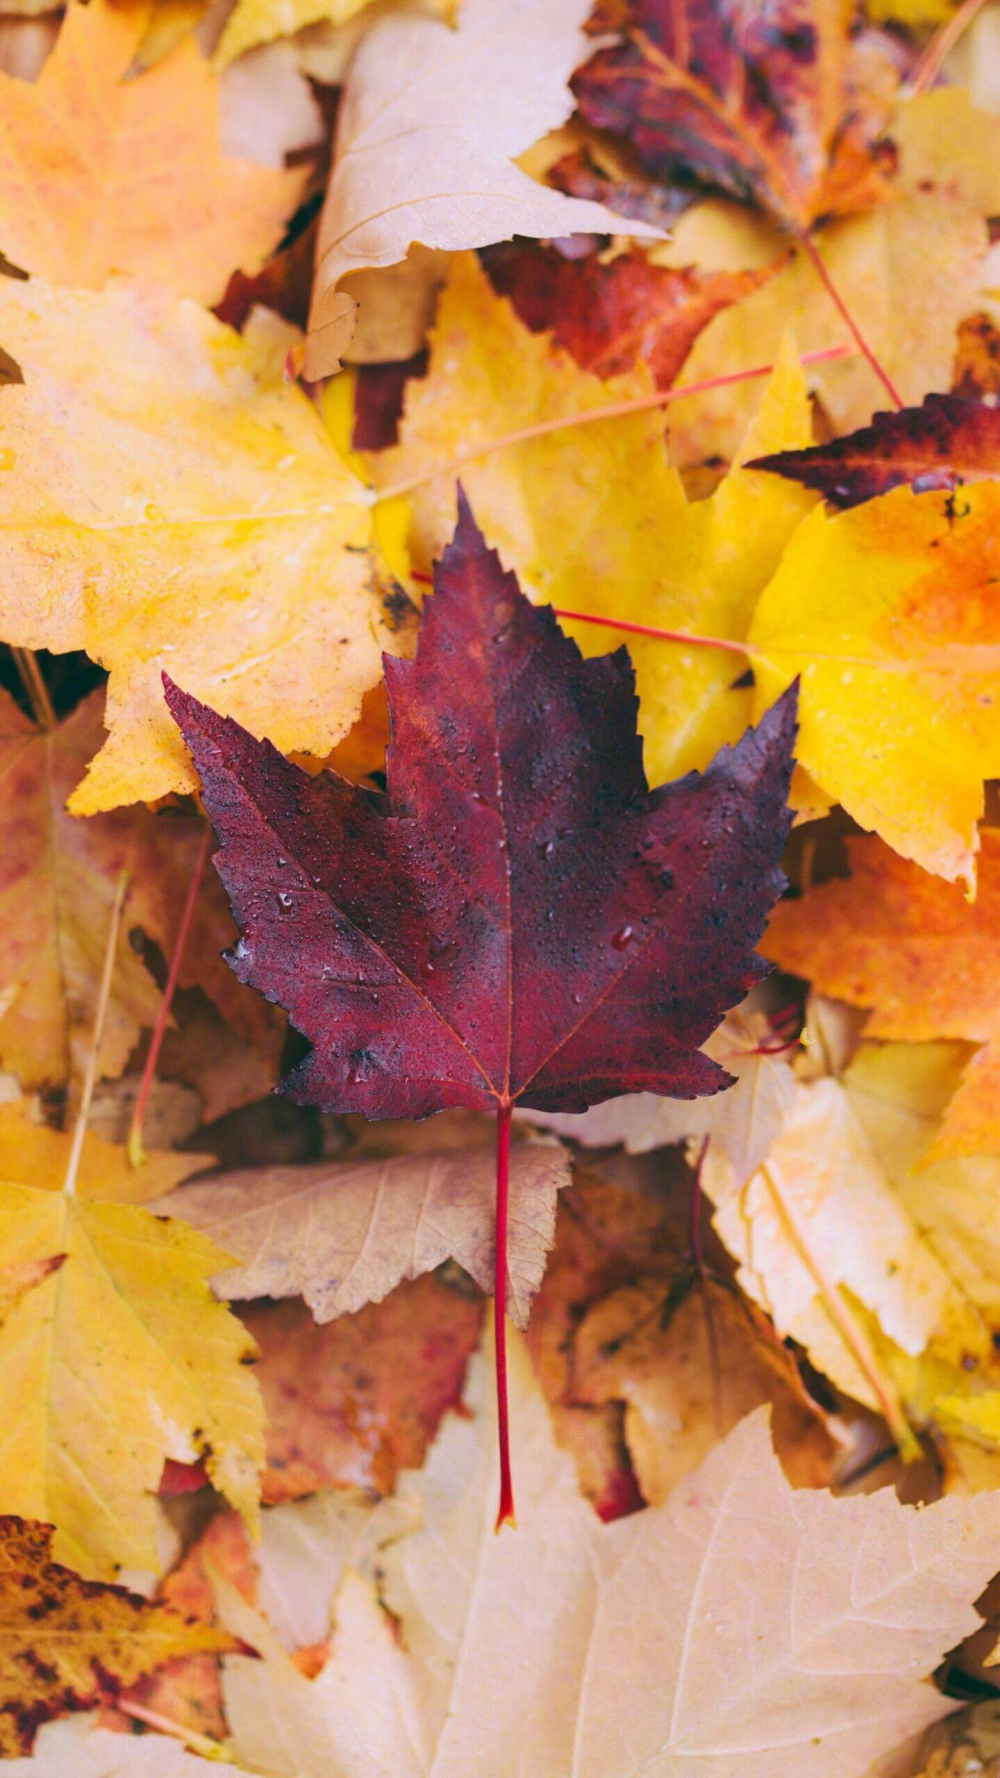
(505,1511)
(618,623)
(929,66)
(844,312)
(135,1149)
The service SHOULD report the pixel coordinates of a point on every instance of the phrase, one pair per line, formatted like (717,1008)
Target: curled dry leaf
(344,1235)
(881,1265)
(80,1746)
(65,1642)
(760,1623)
(160,467)
(57,878)
(689,1360)
(460,100)
(787,110)
(947,441)
(921,956)
(90,147)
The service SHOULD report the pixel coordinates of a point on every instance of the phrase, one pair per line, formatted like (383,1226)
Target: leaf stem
(206,1745)
(852,1335)
(941,45)
(136,1153)
(822,272)
(617,411)
(103,997)
(617,623)
(505,1511)
(26,662)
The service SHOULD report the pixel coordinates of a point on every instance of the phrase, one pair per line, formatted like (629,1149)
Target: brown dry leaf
(350,1403)
(172,501)
(689,1361)
(65,1642)
(461,102)
(916,951)
(743,1626)
(57,884)
(344,1235)
(86,148)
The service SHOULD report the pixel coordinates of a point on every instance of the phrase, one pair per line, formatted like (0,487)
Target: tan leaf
(344,1235)
(57,884)
(742,1626)
(80,1747)
(461,103)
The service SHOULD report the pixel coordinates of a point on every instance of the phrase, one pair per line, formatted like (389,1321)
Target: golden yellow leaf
(85,149)
(64,1643)
(117,1360)
(889,613)
(920,956)
(260,21)
(166,501)
(593,518)
(909,272)
(57,880)
(30,1150)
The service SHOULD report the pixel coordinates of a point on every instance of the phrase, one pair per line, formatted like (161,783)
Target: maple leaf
(163,479)
(774,1627)
(260,21)
(86,147)
(67,1642)
(947,441)
(689,1359)
(787,111)
(611,315)
(29,1150)
(744,1120)
(125,1334)
(592,518)
(57,878)
(506,809)
(877,1259)
(888,613)
(345,1404)
(916,952)
(344,1235)
(461,101)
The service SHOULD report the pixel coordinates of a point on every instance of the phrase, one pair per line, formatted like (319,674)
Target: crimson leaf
(947,441)
(519,919)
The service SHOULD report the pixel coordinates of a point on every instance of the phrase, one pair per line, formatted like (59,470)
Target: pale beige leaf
(744,1121)
(305,1548)
(344,1235)
(742,1628)
(429,127)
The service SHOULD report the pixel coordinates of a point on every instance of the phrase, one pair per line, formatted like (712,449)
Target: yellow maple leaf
(86,149)
(260,21)
(30,1151)
(57,878)
(889,614)
(166,501)
(593,518)
(65,1643)
(117,1359)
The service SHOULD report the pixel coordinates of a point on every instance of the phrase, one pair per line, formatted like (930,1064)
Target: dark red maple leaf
(946,441)
(519,919)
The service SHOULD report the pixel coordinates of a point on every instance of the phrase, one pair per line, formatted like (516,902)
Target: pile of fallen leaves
(500,731)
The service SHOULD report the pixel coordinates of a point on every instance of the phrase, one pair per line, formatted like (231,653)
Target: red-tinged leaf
(378,401)
(611,316)
(777,105)
(945,442)
(519,919)
(627,191)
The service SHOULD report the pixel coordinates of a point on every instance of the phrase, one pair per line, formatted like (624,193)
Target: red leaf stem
(505,1510)
(135,1149)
